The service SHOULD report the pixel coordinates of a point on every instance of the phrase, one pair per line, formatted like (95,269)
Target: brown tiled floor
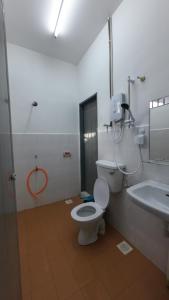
(54,266)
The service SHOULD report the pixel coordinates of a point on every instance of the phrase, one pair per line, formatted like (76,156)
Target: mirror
(159,129)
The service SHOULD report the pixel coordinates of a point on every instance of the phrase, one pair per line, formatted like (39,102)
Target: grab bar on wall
(110,56)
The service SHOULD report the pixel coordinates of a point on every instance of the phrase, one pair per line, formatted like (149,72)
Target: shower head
(35,104)
(126,106)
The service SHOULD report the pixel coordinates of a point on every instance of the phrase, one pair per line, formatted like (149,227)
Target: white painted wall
(93,76)
(48,130)
(141,47)
(52,83)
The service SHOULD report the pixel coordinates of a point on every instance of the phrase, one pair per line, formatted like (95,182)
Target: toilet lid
(101,193)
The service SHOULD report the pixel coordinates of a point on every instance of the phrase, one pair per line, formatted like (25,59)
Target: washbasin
(152,196)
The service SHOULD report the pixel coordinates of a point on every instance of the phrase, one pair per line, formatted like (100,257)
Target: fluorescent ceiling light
(61,16)
(57,26)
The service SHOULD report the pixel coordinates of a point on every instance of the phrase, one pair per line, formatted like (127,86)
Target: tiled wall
(48,130)
(63,172)
(143,229)
(141,44)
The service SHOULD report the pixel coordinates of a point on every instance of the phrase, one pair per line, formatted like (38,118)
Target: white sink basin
(152,196)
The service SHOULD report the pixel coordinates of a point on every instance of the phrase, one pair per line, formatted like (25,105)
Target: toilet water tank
(109,171)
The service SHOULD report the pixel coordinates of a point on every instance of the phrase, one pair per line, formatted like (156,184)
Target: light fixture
(57,27)
(61,16)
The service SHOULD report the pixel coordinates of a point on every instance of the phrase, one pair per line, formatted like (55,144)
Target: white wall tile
(141,47)
(47,130)
(63,173)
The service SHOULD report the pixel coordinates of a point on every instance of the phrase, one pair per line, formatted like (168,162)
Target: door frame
(92,98)
(11,277)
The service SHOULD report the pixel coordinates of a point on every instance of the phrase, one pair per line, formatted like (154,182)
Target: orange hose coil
(35,194)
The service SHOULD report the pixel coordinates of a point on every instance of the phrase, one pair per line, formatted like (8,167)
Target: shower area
(45,128)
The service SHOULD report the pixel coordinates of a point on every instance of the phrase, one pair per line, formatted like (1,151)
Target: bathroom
(106,50)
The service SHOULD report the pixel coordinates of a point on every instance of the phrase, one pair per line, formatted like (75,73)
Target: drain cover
(124,248)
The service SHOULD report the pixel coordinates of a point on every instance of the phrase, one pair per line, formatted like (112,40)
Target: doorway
(9,252)
(88,143)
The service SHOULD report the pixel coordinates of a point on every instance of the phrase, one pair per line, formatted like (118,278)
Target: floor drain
(124,248)
(69,201)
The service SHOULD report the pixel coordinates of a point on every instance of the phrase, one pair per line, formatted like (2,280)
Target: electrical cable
(117,140)
(132,172)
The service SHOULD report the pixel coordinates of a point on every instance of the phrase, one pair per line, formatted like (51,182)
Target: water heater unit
(117,111)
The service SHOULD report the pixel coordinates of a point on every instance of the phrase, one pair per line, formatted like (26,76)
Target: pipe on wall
(110,32)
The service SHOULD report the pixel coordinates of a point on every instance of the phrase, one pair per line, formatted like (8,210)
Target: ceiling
(29,24)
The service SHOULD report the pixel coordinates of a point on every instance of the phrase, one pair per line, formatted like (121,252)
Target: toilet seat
(101,193)
(98,211)
(87,212)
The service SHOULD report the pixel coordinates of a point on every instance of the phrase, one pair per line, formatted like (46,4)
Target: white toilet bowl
(89,216)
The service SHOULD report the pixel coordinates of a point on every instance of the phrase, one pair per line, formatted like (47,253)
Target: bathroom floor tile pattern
(55,267)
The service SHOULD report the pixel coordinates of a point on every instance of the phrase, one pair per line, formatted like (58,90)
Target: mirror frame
(165,100)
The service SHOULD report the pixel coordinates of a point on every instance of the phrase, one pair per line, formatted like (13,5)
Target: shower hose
(28,185)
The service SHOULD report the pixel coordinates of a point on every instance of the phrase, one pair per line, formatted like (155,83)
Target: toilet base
(88,233)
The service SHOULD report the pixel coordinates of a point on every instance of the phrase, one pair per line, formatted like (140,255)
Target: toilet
(89,216)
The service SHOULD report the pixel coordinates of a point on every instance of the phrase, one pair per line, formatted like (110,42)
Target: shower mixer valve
(108,126)
(35,104)
(141,78)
